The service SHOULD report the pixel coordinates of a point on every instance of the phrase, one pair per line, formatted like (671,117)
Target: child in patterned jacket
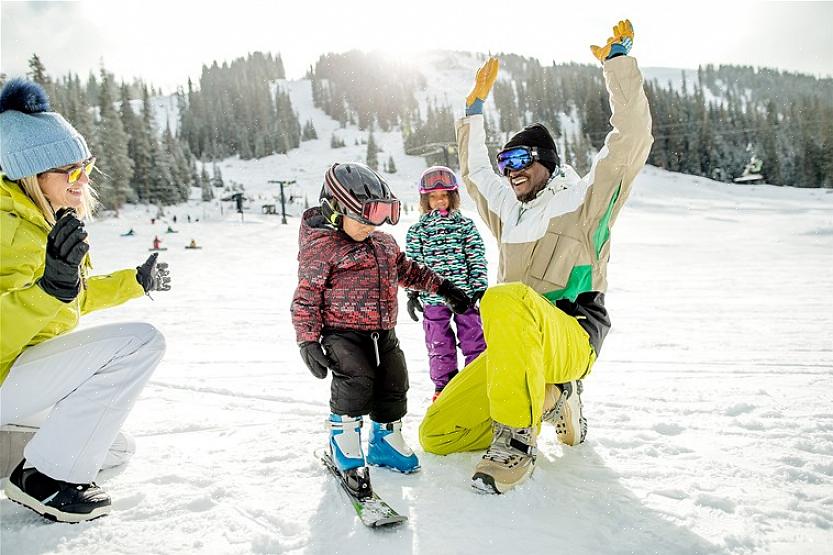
(448,243)
(345,310)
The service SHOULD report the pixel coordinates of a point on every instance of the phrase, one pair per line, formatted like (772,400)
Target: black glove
(65,249)
(414,305)
(476,296)
(454,297)
(316,360)
(152,276)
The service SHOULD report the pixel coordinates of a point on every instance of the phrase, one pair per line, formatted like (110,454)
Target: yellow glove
(617,45)
(484,81)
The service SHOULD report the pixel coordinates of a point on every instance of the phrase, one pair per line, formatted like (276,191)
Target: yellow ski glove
(617,45)
(483,83)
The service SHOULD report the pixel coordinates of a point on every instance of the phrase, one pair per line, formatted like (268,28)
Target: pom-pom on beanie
(33,139)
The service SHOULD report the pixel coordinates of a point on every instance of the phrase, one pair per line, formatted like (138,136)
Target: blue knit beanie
(33,139)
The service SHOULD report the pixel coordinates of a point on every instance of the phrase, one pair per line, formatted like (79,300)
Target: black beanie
(535,134)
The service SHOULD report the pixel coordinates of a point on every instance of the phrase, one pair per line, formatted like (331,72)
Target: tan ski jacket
(559,243)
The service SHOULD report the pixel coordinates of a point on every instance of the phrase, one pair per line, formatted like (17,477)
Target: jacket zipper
(375,335)
(379,276)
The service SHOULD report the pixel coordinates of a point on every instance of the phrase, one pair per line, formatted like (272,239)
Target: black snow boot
(56,500)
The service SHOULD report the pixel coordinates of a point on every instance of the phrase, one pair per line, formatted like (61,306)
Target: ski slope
(711,429)
(710,419)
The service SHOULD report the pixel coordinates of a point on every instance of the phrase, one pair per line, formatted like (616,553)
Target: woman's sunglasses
(73,173)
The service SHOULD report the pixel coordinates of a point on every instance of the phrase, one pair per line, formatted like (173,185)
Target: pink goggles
(377,212)
(437,178)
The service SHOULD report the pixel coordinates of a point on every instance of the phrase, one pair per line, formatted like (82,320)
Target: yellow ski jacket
(28,315)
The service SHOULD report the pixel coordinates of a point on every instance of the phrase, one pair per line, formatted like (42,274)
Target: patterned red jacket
(345,284)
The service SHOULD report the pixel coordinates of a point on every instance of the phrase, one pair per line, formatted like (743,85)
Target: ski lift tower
(282,183)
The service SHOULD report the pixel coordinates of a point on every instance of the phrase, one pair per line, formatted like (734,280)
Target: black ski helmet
(347,187)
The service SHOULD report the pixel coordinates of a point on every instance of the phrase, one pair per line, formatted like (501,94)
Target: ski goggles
(521,157)
(437,180)
(73,173)
(377,212)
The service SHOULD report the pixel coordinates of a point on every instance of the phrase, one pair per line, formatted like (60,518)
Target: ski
(372,510)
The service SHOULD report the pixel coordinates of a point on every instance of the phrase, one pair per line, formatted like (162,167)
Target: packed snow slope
(711,429)
(710,419)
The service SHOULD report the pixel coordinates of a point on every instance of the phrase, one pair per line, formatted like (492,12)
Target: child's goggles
(521,157)
(437,180)
(377,212)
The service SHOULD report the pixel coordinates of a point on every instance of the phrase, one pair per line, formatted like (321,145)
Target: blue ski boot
(346,451)
(387,448)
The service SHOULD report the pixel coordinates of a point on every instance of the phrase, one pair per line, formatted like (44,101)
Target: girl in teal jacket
(86,381)
(448,243)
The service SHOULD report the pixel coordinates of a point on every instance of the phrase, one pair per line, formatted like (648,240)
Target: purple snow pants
(442,345)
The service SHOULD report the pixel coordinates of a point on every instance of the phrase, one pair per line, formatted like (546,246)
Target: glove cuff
(619,49)
(475,107)
(64,293)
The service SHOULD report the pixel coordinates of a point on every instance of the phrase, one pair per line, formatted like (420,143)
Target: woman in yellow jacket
(87,380)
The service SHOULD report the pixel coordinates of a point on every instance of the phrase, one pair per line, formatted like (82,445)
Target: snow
(710,420)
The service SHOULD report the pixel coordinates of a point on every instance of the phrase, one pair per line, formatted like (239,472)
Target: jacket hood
(314,227)
(13,199)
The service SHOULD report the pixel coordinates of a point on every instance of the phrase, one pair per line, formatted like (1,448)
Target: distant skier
(129,233)
(344,312)
(157,243)
(546,320)
(448,243)
(89,380)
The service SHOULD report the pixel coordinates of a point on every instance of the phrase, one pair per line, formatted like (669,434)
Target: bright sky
(164,42)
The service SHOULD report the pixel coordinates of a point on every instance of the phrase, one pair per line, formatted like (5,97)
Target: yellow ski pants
(529,343)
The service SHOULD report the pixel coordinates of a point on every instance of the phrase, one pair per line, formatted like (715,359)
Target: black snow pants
(361,384)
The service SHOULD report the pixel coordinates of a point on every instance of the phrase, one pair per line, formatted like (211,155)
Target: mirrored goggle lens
(513,160)
(378,211)
(438,181)
(75,173)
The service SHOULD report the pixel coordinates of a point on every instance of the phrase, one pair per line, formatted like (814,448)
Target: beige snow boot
(509,460)
(562,408)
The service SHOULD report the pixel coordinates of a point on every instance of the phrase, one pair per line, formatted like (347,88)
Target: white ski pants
(15,437)
(91,378)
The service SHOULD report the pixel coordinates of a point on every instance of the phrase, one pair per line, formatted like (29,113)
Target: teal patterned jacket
(452,247)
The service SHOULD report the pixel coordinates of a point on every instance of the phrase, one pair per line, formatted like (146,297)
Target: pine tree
(161,189)
(217,180)
(204,175)
(391,165)
(113,162)
(180,168)
(335,141)
(207,189)
(93,89)
(309,132)
(37,71)
(372,151)
(77,111)
(771,167)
